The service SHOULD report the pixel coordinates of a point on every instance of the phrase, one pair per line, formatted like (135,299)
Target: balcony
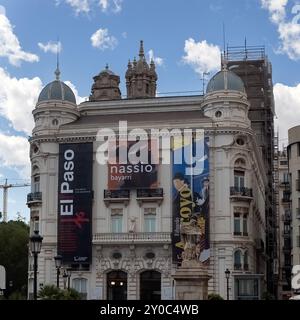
(116,196)
(132,238)
(286,234)
(149,195)
(286,217)
(286,196)
(237,266)
(297,185)
(34,198)
(241,193)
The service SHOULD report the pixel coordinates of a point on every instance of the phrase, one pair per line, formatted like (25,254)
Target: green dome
(57,90)
(225,80)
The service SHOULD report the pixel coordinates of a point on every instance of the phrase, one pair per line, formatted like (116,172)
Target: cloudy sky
(183,37)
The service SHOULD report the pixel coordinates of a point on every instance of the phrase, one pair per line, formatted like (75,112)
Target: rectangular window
(245,225)
(285,177)
(36,184)
(298,149)
(237,224)
(150,219)
(116,220)
(239,179)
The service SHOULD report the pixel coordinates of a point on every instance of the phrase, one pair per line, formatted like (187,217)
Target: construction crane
(5,188)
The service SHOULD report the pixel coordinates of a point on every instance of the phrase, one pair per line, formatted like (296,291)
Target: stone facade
(237,194)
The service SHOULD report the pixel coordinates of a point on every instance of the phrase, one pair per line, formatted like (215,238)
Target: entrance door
(150,284)
(117,285)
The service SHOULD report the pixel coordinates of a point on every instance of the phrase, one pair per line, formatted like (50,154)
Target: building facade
(285,225)
(129,244)
(294,172)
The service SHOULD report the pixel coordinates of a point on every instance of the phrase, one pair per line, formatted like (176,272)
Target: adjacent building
(294,172)
(285,224)
(119,228)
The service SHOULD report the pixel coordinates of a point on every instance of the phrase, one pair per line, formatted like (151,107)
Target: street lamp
(58,260)
(69,277)
(65,276)
(35,248)
(227,274)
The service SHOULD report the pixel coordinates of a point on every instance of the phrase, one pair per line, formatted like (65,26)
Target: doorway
(117,285)
(150,285)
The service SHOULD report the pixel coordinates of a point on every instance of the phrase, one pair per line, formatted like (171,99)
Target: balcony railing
(116,194)
(286,217)
(150,193)
(241,192)
(34,197)
(135,237)
(286,234)
(112,196)
(237,266)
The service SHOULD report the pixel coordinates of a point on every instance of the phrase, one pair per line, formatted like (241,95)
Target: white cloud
(289,31)
(17,100)
(101,40)
(9,43)
(276,8)
(50,46)
(202,56)
(287,103)
(79,99)
(14,154)
(157,60)
(79,6)
(114,5)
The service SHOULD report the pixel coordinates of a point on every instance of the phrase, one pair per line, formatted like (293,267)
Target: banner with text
(128,174)
(75,202)
(190,236)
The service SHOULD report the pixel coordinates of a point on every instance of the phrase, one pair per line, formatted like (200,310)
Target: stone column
(191,281)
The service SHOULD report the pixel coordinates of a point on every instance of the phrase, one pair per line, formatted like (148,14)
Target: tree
(214,296)
(14,237)
(51,292)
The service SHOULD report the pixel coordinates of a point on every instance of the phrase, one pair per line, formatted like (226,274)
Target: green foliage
(14,237)
(214,296)
(267,296)
(51,292)
(17,295)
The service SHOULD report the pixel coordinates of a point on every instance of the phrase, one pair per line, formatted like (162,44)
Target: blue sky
(185,38)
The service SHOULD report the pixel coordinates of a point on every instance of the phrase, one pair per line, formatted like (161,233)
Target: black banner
(75,203)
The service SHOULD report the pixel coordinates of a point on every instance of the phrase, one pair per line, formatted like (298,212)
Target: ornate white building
(131,230)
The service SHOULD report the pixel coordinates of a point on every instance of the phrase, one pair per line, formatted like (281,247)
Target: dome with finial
(225,80)
(107,71)
(105,86)
(57,90)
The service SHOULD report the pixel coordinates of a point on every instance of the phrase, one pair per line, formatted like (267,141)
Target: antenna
(57,71)
(224,38)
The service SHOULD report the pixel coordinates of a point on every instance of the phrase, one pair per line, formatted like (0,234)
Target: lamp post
(35,248)
(69,277)
(227,274)
(58,260)
(65,276)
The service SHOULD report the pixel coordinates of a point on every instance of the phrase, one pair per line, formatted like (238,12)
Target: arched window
(80,285)
(237,260)
(117,285)
(246,262)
